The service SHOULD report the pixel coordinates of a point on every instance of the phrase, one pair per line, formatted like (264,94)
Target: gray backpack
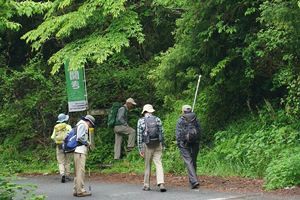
(151,133)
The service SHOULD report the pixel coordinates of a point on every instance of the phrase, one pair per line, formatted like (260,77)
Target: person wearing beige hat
(122,128)
(150,138)
(187,137)
(80,153)
(60,131)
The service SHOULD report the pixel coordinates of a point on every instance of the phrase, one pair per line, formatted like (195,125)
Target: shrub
(284,172)
(9,190)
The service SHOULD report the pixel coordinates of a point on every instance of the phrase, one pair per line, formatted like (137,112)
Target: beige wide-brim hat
(186,108)
(148,108)
(130,100)
(89,118)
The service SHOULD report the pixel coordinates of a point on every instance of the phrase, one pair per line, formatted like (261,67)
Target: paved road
(54,190)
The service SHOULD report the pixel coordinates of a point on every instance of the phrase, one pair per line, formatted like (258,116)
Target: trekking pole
(90,187)
(196,92)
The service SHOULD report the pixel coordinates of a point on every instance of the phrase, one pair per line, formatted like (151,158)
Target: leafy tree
(10,8)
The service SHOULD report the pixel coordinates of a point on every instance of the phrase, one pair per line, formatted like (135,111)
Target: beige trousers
(63,160)
(121,130)
(79,161)
(153,153)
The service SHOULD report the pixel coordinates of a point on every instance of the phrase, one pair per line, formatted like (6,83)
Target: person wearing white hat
(122,128)
(187,137)
(150,138)
(60,131)
(80,154)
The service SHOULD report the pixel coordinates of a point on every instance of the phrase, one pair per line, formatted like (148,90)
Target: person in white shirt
(80,154)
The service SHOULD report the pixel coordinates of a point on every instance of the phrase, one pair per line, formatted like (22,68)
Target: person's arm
(161,130)
(81,134)
(199,129)
(53,134)
(121,116)
(179,130)
(140,130)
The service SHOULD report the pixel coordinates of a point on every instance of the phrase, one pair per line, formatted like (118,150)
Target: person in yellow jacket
(60,131)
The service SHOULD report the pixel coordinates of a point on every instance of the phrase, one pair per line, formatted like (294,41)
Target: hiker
(121,128)
(187,137)
(150,144)
(80,154)
(59,133)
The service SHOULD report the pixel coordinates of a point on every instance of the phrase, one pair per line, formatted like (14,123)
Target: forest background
(247,52)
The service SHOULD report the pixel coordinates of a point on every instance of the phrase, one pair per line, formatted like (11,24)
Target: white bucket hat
(148,108)
(62,118)
(130,100)
(186,108)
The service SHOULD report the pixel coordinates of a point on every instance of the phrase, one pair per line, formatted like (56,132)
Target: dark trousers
(189,153)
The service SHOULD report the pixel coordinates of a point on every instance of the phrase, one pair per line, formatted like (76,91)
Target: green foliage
(10,9)
(257,148)
(9,189)
(284,171)
(98,29)
(246,51)
(36,101)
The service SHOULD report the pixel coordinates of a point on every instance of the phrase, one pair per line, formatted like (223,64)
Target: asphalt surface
(55,190)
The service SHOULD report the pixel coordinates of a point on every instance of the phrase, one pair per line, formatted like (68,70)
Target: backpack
(60,133)
(151,133)
(70,142)
(112,114)
(190,133)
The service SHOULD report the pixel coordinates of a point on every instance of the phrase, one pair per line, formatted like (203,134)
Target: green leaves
(11,8)
(93,30)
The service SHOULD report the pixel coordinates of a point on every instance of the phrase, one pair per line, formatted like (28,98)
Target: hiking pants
(153,153)
(63,160)
(121,130)
(189,153)
(79,161)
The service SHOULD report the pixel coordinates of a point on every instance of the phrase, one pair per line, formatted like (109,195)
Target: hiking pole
(90,187)
(196,92)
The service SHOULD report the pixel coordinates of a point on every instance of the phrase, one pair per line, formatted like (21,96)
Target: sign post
(76,89)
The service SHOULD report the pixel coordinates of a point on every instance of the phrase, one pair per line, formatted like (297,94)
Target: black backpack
(152,133)
(190,132)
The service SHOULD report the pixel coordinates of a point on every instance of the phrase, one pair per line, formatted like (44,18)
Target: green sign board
(76,89)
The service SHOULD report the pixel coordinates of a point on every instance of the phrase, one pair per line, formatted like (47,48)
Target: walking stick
(90,187)
(196,92)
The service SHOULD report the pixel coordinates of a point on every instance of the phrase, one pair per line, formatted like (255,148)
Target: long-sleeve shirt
(82,137)
(141,127)
(122,118)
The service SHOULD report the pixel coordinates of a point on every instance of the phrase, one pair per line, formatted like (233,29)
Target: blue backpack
(70,142)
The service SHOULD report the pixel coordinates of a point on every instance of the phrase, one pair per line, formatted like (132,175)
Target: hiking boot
(63,178)
(146,188)
(84,194)
(195,186)
(129,149)
(68,178)
(162,187)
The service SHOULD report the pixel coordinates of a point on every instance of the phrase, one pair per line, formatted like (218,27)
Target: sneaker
(195,185)
(162,188)
(146,188)
(84,194)
(63,178)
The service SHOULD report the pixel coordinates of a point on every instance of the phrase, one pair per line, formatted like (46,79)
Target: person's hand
(88,144)
(142,154)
